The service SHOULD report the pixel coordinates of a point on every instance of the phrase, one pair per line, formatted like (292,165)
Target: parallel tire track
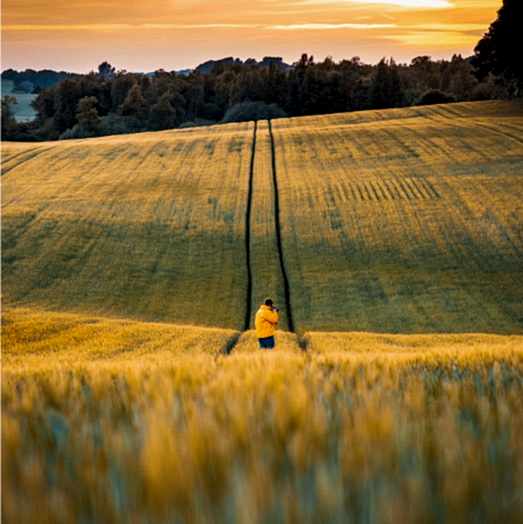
(248,212)
(33,153)
(277,222)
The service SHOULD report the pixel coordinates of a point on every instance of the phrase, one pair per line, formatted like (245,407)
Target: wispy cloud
(120,27)
(323,27)
(428,39)
(418,4)
(126,27)
(276,27)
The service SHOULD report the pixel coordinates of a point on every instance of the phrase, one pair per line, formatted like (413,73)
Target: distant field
(23,111)
(405,221)
(149,226)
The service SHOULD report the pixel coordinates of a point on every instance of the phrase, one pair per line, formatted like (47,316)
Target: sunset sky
(76,35)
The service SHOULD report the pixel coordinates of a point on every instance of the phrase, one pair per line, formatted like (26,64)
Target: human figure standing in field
(267,318)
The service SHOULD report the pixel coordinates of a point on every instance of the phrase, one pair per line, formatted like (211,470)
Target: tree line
(112,102)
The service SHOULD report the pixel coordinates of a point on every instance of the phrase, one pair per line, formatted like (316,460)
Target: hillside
(405,221)
(397,223)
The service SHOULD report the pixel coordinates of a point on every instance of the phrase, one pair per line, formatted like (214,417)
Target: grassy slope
(37,340)
(405,220)
(398,221)
(267,278)
(148,226)
(103,418)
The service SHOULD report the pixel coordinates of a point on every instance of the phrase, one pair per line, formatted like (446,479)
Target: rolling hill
(132,385)
(404,221)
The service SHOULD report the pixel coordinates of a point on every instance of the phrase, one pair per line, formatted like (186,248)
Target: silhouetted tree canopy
(109,101)
(499,51)
(435,96)
(245,111)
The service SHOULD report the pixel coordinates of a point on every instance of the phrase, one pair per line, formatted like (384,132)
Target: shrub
(197,122)
(110,124)
(246,111)
(483,91)
(113,124)
(434,96)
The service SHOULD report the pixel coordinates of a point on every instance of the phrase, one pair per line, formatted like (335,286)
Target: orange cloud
(78,34)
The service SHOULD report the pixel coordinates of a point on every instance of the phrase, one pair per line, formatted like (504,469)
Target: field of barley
(132,386)
(148,226)
(405,221)
(123,421)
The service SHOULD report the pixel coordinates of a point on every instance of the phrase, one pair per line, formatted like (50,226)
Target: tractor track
(279,244)
(248,213)
(233,342)
(33,153)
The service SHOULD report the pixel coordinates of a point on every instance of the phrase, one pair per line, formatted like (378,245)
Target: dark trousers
(267,343)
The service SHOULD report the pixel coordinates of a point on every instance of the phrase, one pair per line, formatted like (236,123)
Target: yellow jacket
(266,321)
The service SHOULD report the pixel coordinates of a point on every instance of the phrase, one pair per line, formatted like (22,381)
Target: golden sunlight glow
(419,4)
(76,35)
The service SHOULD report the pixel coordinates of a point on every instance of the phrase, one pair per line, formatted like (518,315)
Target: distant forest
(111,102)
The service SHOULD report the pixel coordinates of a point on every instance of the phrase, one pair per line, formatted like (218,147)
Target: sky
(145,35)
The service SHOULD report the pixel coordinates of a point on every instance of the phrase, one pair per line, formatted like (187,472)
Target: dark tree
(162,114)
(499,51)
(120,87)
(385,86)
(434,96)
(8,119)
(87,114)
(134,103)
(67,96)
(106,71)
(44,105)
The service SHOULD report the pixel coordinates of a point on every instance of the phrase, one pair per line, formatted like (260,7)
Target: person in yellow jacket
(267,318)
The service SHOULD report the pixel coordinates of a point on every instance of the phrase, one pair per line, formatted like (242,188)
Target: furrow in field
(279,244)
(22,158)
(248,212)
(267,278)
(9,152)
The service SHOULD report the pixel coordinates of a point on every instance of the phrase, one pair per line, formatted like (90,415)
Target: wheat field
(366,428)
(405,221)
(132,386)
(148,226)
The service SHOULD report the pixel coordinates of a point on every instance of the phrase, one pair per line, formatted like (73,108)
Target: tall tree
(120,87)
(106,71)
(8,119)
(87,115)
(499,51)
(380,86)
(67,96)
(162,114)
(134,103)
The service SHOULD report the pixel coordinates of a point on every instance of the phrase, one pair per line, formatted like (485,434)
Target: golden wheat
(404,221)
(148,226)
(401,221)
(332,436)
